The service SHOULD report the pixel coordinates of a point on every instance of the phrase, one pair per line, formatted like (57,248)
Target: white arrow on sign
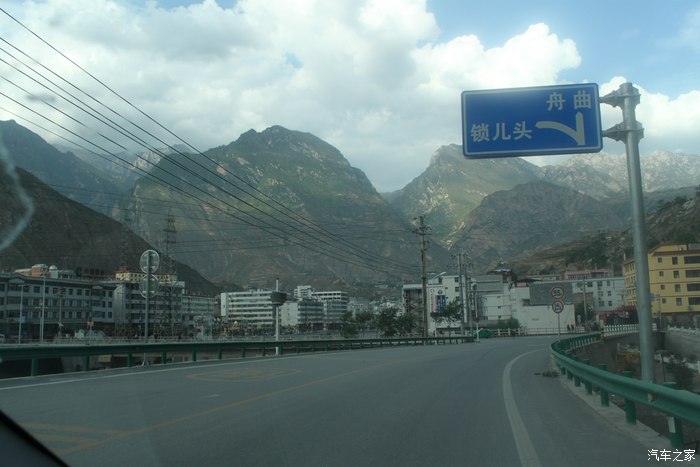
(579,134)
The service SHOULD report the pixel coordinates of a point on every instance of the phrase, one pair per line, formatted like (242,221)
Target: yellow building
(674,281)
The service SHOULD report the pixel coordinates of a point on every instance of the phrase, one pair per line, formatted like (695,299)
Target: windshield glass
(342,233)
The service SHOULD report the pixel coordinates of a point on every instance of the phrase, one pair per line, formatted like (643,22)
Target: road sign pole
(630,131)
(558,326)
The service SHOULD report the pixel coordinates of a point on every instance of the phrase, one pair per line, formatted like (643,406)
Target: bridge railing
(681,405)
(160,352)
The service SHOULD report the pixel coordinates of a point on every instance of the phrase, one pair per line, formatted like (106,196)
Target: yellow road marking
(223,408)
(244,374)
(69,428)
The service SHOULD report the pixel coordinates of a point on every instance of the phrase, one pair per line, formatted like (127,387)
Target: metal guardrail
(680,404)
(232,349)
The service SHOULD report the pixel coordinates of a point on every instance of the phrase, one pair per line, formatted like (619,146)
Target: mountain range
(69,235)
(285,205)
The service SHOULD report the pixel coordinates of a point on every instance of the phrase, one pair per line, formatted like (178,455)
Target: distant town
(44,303)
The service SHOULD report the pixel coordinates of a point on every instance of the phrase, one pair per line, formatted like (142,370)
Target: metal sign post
(630,131)
(558,293)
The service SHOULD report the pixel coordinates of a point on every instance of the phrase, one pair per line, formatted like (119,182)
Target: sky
(379,79)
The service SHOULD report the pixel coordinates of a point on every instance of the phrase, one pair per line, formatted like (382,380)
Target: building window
(695,287)
(691,259)
(690,273)
(663,287)
(610,303)
(659,260)
(679,302)
(661,274)
(676,287)
(676,274)
(663,300)
(674,260)
(694,301)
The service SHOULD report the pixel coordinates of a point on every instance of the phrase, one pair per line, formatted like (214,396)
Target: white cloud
(368,76)
(669,123)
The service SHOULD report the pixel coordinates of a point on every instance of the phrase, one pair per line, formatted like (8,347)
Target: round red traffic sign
(557,306)
(557,292)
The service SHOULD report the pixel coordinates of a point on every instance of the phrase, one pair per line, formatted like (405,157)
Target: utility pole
(462,278)
(422,230)
(167,320)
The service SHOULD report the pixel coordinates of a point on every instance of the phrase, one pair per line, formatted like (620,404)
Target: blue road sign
(534,121)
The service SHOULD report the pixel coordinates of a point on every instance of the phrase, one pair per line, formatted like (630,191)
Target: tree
(578,312)
(451,313)
(363,320)
(386,322)
(406,323)
(349,325)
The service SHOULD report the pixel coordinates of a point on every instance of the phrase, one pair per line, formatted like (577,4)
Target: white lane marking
(526,450)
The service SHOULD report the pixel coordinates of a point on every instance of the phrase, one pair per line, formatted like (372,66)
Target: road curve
(483,404)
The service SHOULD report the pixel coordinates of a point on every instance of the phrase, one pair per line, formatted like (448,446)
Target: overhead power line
(291,214)
(327,238)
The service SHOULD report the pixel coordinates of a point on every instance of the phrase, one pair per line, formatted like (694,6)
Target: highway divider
(163,353)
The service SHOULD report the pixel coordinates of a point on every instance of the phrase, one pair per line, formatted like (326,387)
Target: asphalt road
(466,404)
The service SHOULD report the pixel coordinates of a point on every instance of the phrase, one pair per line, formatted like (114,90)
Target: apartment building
(674,281)
(249,309)
(47,305)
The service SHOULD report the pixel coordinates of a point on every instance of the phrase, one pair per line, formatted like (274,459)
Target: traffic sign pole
(150,261)
(630,131)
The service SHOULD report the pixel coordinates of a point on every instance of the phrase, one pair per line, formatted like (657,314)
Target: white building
(440,290)
(289,314)
(51,305)
(603,295)
(199,313)
(491,299)
(335,305)
(534,317)
(164,307)
(250,309)
(303,291)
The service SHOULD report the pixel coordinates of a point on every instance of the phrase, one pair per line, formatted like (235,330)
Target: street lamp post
(44,270)
(60,311)
(21,299)
(277,299)
(475,309)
